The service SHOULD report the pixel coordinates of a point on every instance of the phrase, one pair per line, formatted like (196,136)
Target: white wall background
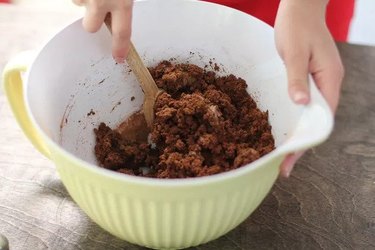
(362,30)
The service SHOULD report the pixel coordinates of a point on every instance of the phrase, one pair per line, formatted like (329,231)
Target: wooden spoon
(134,128)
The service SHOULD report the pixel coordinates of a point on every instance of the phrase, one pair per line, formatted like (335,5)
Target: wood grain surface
(327,203)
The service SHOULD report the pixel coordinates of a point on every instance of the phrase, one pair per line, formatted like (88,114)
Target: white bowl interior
(74,73)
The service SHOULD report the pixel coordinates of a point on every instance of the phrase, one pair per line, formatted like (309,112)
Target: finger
(121,31)
(329,75)
(94,18)
(288,164)
(296,62)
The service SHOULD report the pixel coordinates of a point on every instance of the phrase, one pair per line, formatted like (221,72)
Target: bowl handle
(314,127)
(13,89)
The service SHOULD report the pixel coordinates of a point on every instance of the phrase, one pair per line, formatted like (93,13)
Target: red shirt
(339,13)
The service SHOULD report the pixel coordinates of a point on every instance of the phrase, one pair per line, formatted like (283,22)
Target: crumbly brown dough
(203,125)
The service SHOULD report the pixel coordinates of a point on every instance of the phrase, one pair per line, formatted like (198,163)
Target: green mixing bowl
(64,81)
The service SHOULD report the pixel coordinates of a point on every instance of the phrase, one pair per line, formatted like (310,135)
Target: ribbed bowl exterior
(167,217)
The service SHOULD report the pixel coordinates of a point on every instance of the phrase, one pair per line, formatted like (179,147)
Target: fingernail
(300,97)
(119,59)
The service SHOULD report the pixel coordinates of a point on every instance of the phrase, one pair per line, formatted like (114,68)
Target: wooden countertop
(327,203)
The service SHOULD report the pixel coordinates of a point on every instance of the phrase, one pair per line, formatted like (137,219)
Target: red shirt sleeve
(339,13)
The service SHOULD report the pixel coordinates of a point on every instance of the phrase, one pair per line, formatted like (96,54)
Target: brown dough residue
(91,113)
(203,125)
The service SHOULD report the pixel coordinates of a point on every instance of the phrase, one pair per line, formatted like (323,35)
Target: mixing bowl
(72,84)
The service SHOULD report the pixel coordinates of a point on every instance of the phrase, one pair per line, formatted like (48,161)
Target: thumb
(297,67)
(288,164)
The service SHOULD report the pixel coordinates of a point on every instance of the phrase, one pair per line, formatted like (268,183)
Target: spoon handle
(148,85)
(141,72)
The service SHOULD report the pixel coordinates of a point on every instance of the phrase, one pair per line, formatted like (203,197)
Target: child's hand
(306,46)
(121,11)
